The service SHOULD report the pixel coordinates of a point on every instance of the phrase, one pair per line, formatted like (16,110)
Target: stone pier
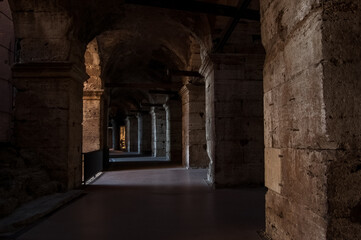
(234,119)
(158,131)
(173,108)
(49,118)
(92,121)
(194,132)
(132,133)
(115,134)
(144,133)
(312,95)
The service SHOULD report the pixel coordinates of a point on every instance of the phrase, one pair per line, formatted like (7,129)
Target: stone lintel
(54,70)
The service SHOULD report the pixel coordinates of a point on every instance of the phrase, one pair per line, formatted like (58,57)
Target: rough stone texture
(132,132)
(48,118)
(110,137)
(92,121)
(311,100)
(93,102)
(6,60)
(116,135)
(144,133)
(45,32)
(234,118)
(342,98)
(158,132)
(194,130)
(21,180)
(173,109)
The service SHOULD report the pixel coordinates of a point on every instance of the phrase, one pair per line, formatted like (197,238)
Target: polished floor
(159,204)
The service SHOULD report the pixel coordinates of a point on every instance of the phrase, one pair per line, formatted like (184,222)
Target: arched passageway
(210,59)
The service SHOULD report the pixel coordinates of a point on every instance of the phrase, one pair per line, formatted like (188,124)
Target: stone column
(312,95)
(49,117)
(234,119)
(194,133)
(132,132)
(158,132)
(92,121)
(144,133)
(173,108)
(116,134)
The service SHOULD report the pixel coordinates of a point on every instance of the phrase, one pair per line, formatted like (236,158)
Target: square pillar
(158,132)
(173,108)
(144,133)
(234,119)
(312,95)
(93,133)
(132,132)
(48,118)
(115,134)
(194,131)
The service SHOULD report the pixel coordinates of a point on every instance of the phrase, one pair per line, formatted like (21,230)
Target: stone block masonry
(53,141)
(234,119)
(194,131)
(312,133)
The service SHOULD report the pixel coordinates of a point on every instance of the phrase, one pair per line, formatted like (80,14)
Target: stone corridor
(244,93)
(159,204)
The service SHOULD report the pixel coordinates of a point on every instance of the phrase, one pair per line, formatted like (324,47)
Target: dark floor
(169,204)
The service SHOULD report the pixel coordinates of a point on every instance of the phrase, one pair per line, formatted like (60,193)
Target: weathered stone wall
(116,135)
(92,121)
(234,109)
(342,97)
(158,132)
(132,132)
(93,102)
(44,32)
(173,109)
(311,95)
(194,133)
(48,118)
(6,60)
(144,133)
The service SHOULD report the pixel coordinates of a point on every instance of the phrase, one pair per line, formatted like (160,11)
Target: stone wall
(173,109)
(48,118)
(158,132)
(93,102)
(132,132)
(144,133)
(311,95)
(7,49)
(194,132)
(92,121)
(234,109)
